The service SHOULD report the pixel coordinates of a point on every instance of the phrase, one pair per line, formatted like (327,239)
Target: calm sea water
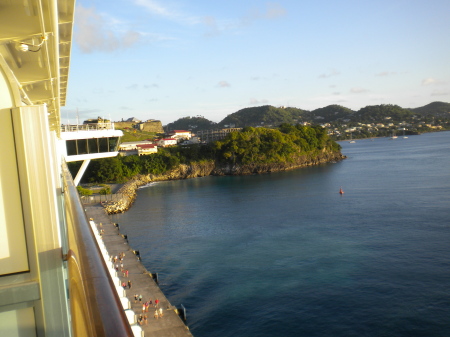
(285,255)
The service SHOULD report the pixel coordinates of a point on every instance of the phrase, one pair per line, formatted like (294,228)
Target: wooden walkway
(141,281)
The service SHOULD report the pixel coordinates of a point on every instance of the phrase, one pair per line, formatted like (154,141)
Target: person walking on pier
(136,298)
(156,314)
(129,284)
(156,303)
(160,312)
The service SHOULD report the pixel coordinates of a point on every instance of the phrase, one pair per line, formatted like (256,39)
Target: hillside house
(130,148)
(165,142)
(146,149)
(180,134)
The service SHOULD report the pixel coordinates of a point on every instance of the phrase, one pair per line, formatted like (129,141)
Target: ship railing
(95,306)
(87,127)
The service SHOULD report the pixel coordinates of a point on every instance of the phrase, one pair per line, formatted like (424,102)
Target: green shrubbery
(84,191)
(251,145)
(105,190)
(262,146)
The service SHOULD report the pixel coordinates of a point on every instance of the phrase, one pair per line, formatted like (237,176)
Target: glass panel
(71,146)
(13,251)
(82,146)
(18,323)
(103,144)
(93,145)
(113,144)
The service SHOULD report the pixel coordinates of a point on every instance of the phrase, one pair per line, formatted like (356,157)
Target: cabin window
(103,144)
(82,146)
(93,145)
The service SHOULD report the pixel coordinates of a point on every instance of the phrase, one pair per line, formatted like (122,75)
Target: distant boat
(404,134)
(351,140)
(341,191)
(393,135)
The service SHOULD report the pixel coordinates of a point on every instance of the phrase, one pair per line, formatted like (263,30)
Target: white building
(165,142)
(180,134)
(145,149)
(129,146)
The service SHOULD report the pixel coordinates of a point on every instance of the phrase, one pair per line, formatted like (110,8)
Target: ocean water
(285,254)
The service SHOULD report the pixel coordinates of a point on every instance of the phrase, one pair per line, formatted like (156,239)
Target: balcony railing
(87,127)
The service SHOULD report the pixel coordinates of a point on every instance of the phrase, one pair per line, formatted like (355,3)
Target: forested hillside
(266,115)
(263,146)
(252,146)
(438,109)
(191,123)
(337,118)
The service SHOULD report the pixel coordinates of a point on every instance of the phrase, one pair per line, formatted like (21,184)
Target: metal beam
(81,171)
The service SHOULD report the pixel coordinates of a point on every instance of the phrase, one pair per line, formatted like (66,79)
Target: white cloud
(168,12)
(331,73)
(223,84)
(133,87)
(428,81)
(440,93)
(254,101)
(432,81)
(98,32)
(386,73)
(153,85)
(358,90)
(211,24)
(272,11)
(154,7)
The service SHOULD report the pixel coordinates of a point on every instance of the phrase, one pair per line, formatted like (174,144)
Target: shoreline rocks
(207,168)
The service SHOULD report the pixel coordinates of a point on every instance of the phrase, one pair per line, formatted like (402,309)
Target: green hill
(191,123)
(266,115)
(438,109)
(330,113)
(337,115)
(381,113)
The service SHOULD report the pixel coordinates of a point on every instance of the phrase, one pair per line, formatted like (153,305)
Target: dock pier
(142,282)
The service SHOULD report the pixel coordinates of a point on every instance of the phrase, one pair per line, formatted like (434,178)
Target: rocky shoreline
(207,168)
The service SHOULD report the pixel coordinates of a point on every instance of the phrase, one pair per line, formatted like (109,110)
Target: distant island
(339,121)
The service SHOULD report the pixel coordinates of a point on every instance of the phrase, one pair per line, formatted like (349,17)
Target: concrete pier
(142,282)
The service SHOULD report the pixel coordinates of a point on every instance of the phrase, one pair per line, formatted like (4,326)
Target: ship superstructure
(53,281)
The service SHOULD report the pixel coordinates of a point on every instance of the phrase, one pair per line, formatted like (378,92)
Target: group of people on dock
(119,259)
(145,307)
(142,319)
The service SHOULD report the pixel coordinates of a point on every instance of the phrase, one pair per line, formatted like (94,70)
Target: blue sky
(155,59)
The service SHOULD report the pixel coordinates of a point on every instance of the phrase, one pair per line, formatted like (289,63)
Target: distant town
(143,137)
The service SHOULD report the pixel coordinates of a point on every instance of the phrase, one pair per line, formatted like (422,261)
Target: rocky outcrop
(206,168)
(128,190)
(301,161)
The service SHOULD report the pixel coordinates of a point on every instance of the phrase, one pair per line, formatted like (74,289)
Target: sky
(155,59)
